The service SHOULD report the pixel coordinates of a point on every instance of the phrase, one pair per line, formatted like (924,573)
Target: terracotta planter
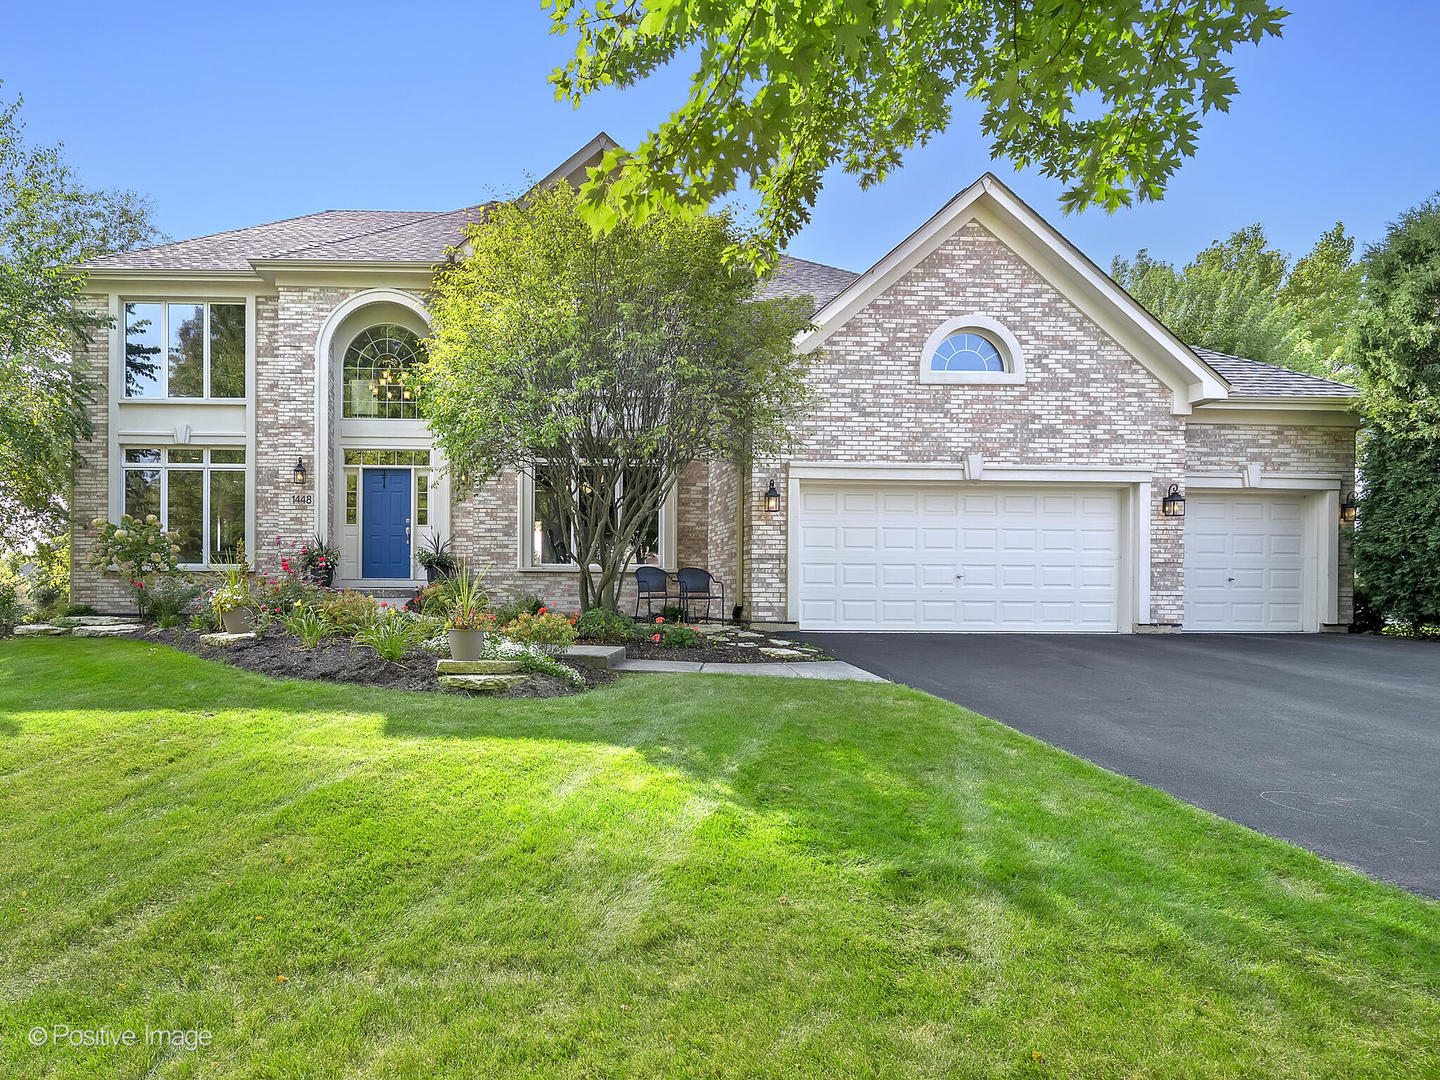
(466,644)
(238,620)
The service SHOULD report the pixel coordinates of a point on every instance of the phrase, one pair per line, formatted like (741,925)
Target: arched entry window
(375,364)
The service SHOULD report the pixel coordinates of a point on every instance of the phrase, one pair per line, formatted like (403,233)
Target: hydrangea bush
(136,549)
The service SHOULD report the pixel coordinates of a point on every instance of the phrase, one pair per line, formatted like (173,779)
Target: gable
(1027,237)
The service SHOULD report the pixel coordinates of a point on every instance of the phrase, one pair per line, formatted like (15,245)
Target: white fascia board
(1040,245)
(1290,410)
(167,282)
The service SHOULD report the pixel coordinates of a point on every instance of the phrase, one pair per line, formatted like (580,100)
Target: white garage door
(1244,562)
(911,556)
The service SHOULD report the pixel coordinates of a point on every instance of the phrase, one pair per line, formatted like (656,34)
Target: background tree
(604,365)
(49,223)
(1106,97)
(1243,297)
(1395,352)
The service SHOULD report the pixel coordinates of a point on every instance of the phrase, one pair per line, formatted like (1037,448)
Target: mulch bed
(339,660)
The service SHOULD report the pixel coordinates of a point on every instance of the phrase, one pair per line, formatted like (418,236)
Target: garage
(1245,562)
(957,557)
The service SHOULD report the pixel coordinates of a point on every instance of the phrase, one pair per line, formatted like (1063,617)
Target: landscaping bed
(715,643)
(340,660)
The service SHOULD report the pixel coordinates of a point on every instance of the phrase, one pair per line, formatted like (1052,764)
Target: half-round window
(374,372)
(966,351)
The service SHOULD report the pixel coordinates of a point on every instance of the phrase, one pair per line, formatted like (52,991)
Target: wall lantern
(1348,508)
(1173,505)
(772,499)
(299,471)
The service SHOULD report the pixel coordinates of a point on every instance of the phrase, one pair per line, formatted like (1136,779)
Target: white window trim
(205,467)
(164,398)
(995,332)
(525,510)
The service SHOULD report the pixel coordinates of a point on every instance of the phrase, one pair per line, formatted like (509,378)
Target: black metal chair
(650,583)
(696,585)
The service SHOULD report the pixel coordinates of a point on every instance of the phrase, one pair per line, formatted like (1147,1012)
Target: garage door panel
(947,558)
(1244,562)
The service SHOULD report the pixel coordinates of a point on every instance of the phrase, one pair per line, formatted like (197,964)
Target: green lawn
(675,876)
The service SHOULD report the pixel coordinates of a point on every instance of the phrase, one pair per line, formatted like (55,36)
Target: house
(998,428)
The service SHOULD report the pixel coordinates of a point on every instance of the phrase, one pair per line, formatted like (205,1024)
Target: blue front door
(385,531)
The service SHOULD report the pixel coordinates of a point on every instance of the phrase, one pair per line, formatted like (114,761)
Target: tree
(1243,297)
(49,223)
(1395,353)
(1108,98)
(603,366)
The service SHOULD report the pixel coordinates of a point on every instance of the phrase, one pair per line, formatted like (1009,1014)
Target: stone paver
(478,667)
(481,684)
(107,630)
(40,629)
(222,639)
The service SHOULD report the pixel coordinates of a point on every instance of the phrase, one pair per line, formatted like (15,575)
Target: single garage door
(1244,562)
(912,556)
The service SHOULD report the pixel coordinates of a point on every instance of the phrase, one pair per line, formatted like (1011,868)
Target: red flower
(654,637)
(540,612)
(659,619)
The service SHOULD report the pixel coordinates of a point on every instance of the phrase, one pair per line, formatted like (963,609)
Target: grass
(676,876)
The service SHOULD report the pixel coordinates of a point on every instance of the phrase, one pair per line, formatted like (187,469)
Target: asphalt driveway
(1330,741)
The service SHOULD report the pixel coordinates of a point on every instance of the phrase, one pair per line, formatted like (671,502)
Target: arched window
(972,349)
(966,351)
(375,365)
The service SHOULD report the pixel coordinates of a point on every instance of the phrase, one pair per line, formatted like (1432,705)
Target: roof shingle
(801,277)
(1253,378)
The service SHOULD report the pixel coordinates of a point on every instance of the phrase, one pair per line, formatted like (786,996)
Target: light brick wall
(1283,448)
(1085,400)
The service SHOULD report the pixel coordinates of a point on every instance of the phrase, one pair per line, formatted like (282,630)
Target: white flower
(151,519)
(120,534)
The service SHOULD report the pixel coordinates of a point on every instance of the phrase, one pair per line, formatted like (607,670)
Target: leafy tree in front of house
(1243,297)
(603,366)
(49,223)
(1107,98)
(1395,351)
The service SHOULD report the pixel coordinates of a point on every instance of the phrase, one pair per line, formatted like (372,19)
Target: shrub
(1366,620)
(393,634)
(305,624)
(135,549)
(81,609)
(205,621)
(348,612)
(529,604)
(549,632)
(602,624)
(171,597)
(678,636)
(435,600)
(9,607)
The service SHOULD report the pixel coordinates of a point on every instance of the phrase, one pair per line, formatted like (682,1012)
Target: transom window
(184,349)
(966,351)
(196,492)
(374,374)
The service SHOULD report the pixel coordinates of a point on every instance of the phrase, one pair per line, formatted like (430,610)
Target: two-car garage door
(914,556)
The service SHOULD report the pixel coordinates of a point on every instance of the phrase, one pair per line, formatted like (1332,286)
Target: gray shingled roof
(1252,378)
(801,277)
(384,235)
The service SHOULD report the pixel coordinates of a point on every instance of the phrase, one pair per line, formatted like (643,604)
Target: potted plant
(233,598)
(318,560)
(435,556)
(469,618)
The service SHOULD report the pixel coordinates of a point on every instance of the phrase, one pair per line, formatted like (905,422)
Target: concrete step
(481,684)
(478,667)
(596,656)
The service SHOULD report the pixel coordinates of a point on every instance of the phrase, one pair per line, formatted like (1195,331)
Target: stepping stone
(40,629)
(745,645)
(478,667)
(107,630)
(782,652)
(223,639)
(782,642)
(481,684)
(748,634)
(98,620)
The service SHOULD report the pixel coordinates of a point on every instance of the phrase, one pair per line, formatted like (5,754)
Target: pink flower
(659,619)
(654,637)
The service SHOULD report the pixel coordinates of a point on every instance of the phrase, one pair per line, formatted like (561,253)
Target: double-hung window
(553,540)
(197,493)
(184,349)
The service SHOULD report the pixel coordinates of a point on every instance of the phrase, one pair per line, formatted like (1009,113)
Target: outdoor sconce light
(299,471)
(772,499)
(1173,505)
(1348,508)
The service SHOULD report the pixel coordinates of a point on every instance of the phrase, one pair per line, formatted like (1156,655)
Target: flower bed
(664,638)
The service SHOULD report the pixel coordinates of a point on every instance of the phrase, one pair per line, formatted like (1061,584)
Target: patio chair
(696,585)
(651,583)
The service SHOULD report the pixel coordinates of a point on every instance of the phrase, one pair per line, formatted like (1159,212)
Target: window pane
(351,500)
(186,457)
(966,352)
(143,457)
(187,350)
(186,513)
(374,372)
(227,513)
(143,345)
(352,457)
(227,350)
(647,540)
(422,499)
(228,457)
(550,532)
(142,492)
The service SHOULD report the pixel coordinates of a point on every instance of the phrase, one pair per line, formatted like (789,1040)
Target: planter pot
(466,644)
(324,577)
(238,620)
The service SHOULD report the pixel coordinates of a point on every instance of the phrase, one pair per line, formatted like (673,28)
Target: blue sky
(230,115)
